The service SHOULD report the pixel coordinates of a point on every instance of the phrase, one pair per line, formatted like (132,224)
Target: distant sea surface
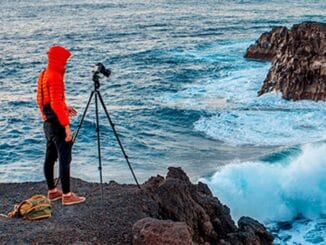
(180,94)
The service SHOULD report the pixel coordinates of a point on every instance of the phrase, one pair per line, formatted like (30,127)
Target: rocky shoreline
(298,60)
(168,210)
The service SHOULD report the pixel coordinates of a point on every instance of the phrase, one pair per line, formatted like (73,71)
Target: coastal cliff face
(168,210)
(298,60)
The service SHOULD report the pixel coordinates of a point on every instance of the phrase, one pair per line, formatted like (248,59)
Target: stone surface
(298,61)
(268,44)
(253,230)
(150,231)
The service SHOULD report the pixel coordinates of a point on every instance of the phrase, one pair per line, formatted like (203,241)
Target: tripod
(97,96)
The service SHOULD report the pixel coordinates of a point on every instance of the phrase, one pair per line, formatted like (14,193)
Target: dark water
(180,92)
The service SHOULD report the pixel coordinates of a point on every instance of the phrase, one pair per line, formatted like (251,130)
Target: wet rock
(255,231)
(150,231)
(298,61)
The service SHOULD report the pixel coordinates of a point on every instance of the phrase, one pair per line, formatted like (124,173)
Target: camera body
(98,71)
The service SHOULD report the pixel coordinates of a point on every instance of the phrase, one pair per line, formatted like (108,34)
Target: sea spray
(275,192)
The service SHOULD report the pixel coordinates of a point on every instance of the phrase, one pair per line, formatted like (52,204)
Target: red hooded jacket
(50,84)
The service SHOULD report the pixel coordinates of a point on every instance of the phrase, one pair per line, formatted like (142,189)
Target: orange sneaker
(71,198)
(54,194)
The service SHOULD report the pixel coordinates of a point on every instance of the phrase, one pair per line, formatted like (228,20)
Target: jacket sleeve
(39,98)
(57,100)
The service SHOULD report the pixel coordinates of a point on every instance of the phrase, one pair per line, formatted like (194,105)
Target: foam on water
(300,231)
(264,126)
(236,115)
(279,191)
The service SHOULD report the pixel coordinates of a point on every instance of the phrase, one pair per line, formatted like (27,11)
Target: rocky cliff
(298,60)
(168,210)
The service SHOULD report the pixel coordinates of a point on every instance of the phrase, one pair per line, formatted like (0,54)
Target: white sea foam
(264,127)
(302,231)
(236,115)
(275,192)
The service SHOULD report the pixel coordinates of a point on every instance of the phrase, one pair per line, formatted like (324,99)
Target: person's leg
(50,157)
(64,150)
(64,153)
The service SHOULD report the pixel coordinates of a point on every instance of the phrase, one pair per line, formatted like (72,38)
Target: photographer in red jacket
(55,113)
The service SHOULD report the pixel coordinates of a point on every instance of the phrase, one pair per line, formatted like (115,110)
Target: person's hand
(68,134)
(72,112)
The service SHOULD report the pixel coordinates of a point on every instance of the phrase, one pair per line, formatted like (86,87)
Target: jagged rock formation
(168,210)
(208,220)
(268,44)
(298,60)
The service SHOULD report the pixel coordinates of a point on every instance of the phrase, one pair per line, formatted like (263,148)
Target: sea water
(180,94)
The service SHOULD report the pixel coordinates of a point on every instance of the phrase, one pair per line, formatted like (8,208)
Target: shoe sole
(72,203)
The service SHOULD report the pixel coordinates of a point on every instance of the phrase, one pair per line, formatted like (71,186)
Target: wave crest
(275,192)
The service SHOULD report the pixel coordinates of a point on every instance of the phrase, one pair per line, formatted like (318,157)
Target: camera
(100,69)
(98,72)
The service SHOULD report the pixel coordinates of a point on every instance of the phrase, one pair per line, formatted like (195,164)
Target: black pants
(56,146)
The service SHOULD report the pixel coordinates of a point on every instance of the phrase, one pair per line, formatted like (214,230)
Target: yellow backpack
(34,208)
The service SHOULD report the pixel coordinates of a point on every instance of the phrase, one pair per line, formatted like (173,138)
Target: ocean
(180,94)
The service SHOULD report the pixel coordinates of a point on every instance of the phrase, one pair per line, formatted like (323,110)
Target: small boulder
(149,231)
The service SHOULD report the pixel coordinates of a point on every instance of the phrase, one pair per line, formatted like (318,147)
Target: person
(55,113)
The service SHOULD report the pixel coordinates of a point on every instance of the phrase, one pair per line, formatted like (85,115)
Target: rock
(209,221)
(150,231)
(268,44)
(298,61)
(254,230)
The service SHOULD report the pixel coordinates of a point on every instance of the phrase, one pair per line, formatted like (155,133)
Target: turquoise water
(180,94)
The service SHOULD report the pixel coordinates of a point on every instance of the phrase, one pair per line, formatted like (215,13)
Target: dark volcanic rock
(252,230)
(209,220)
(298,60)
(176,207)
(179,200)
(268,44)
(150,231)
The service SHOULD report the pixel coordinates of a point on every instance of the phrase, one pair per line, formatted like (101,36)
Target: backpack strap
(15,211)
(4,216)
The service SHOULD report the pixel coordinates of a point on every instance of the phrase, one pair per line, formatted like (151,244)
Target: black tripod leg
(99,144)
(83,117)
(118,139)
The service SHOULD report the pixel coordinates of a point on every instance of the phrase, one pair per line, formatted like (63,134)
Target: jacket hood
(58,57)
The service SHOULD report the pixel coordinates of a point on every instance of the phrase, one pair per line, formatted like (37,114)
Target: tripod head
(98,72)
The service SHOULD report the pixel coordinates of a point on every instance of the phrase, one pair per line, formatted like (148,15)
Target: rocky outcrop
(168,210)
(298,61)
(208,219)
(268,44)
